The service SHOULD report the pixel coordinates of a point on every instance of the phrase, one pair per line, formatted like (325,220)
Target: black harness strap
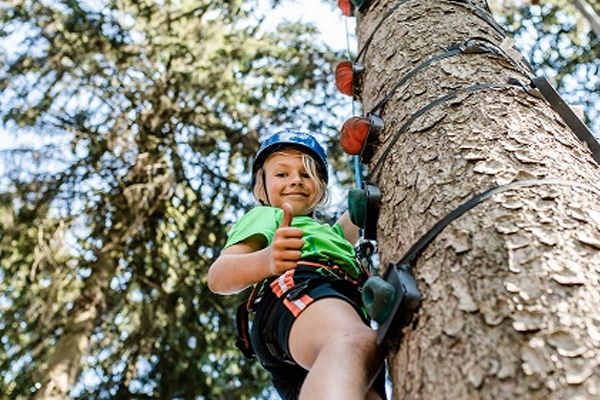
(425,109)
(417,248)
(243,311)
(242,321)
(566,113)
(242,325)
(452,51)
(398,274)
(475,45)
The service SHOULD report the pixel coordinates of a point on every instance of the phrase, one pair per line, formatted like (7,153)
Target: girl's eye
(306,175)
(280,174)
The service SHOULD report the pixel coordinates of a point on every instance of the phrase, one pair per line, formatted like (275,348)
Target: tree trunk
(65,363)
(511,288)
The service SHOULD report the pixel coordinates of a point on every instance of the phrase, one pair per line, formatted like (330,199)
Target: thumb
(288,214)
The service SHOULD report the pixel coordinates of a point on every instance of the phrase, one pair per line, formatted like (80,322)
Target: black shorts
(281,303)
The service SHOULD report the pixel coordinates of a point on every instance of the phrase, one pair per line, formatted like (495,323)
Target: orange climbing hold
(347,7)
(346,77)
(353,134)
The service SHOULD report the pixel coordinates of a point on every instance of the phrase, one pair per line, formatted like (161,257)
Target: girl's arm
(350,230)
(249,261)
(239,266)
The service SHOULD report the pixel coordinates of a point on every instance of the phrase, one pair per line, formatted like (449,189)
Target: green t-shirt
(322,242)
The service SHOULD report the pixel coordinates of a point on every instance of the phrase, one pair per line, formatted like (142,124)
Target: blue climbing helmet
(292,139)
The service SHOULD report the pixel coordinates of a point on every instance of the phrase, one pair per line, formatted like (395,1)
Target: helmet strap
(264,176)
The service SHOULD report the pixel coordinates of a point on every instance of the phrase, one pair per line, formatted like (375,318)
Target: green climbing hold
(357,206)
(378,297)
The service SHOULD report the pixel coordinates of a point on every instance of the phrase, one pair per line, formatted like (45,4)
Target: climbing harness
(327,269)
(242,319)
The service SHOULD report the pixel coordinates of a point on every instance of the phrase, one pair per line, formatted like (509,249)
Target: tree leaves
(145,117)
(559,43)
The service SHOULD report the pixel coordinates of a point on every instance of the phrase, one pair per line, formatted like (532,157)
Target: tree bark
(511,289)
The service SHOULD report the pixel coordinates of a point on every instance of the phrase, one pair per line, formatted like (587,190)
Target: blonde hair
(311,167)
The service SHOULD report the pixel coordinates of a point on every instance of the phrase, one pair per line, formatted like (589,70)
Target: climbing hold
(354,135)
(357,206)
(347,74)
(378,298)
(358,135)
(405,302)
(363,207)
(347,7)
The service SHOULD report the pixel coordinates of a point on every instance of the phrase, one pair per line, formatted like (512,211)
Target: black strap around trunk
(568,115)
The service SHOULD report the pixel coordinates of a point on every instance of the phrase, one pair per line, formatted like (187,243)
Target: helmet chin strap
(268,202)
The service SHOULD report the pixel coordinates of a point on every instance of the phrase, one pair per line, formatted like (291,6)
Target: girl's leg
(330,340)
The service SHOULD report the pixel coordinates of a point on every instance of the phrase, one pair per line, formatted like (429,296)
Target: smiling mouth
(296,194)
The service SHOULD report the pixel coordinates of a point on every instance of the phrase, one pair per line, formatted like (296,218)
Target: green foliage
(142,116)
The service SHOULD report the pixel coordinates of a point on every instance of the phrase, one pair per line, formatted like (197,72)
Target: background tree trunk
(64,366)
(511,288)
(134,206)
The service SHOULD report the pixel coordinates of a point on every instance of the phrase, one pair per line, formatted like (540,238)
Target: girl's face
(287,181)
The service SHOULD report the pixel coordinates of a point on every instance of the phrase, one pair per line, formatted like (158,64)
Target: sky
(324,14)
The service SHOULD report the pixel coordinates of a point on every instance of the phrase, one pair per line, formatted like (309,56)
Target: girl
(310,331)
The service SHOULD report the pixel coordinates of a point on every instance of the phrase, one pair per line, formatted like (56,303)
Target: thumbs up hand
(288,215)
(286,245)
